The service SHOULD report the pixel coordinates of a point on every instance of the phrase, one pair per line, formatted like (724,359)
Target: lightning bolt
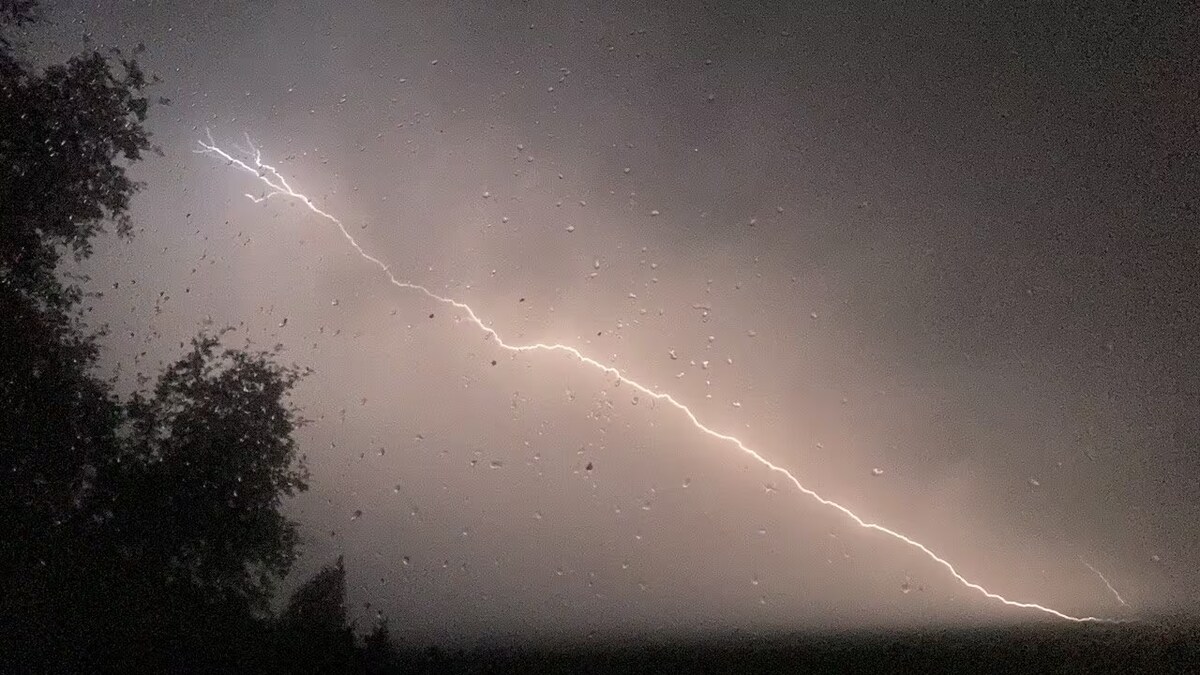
(1106,582)
(278,186)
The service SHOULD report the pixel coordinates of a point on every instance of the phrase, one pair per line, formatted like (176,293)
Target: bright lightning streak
(1106,583)
(278,186)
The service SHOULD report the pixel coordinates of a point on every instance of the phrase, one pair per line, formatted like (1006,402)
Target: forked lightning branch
(249,160)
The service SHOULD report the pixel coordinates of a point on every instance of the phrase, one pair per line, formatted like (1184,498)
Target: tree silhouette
(208,461)
(64,133)
(191,502)
(315,634)
(134,534)
(379,654)
(175,537)
(146,533)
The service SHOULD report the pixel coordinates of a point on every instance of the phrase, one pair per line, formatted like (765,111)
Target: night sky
(940,263)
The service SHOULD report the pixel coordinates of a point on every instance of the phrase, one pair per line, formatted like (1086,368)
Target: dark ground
(1161,646)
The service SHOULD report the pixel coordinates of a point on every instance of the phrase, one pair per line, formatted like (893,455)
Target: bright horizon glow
(279,187)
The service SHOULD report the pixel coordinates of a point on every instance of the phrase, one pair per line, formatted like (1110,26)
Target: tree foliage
(217,433)
(62,132)
(138,533)
(68,133)
(320,604)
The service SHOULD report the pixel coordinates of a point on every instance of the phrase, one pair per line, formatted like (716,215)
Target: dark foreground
(1161,646)
(1131,648)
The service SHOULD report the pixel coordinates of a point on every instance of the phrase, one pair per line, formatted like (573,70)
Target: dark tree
(191,502)
(320,604)
(175,536)
(208,459)
(379,654)
(139,534)
(64,134)
(314,633)
(67,132)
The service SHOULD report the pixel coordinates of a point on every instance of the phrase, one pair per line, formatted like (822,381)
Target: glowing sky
(959,248)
